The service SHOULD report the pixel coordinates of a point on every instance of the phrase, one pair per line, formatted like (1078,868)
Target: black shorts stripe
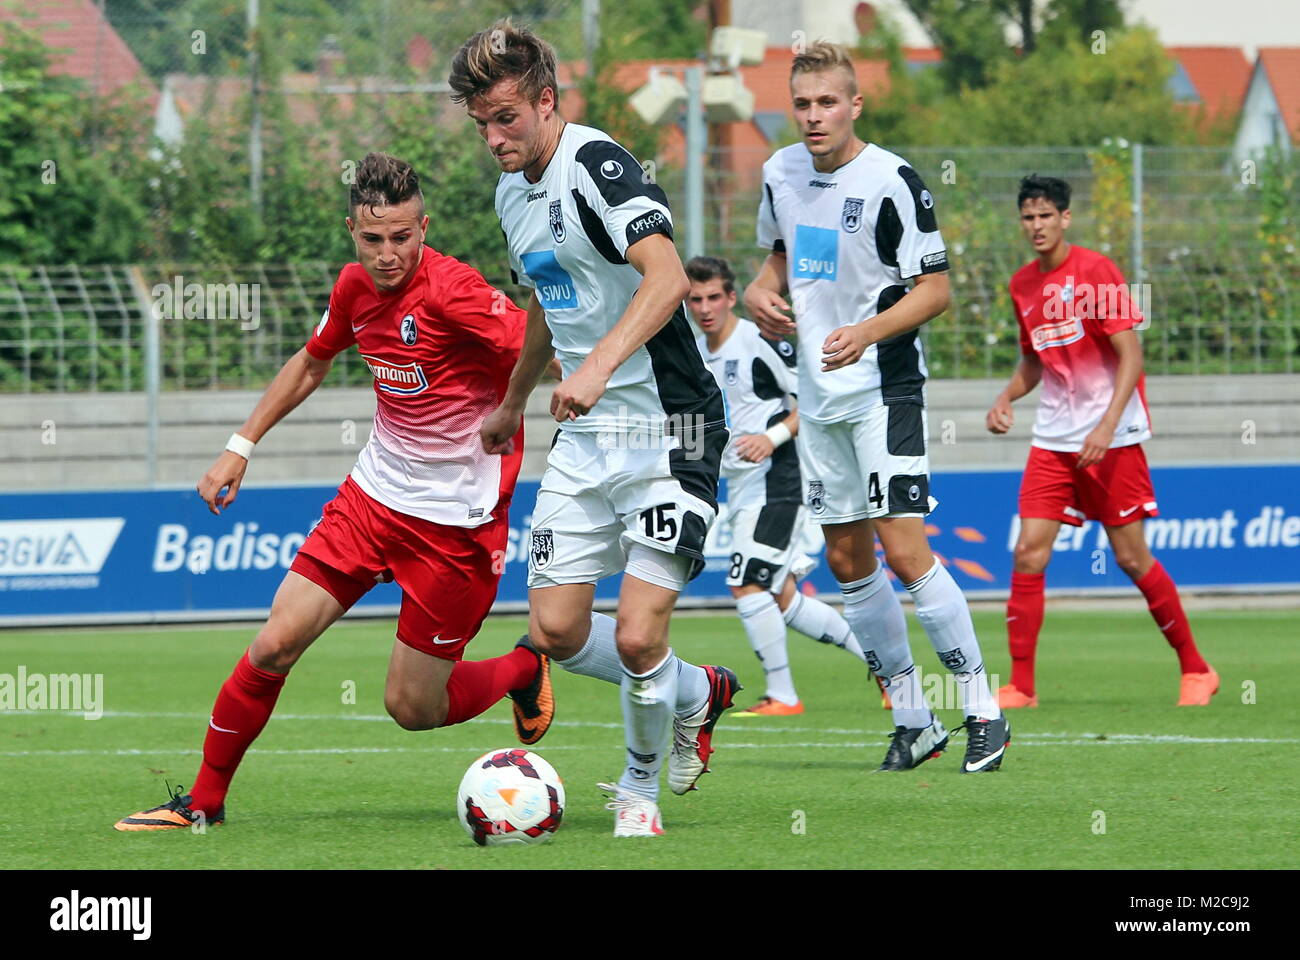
(775,525)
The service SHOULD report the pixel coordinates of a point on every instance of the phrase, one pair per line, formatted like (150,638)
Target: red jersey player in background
(1086,462)
(424,506)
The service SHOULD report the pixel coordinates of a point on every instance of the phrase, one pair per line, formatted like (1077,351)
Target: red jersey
(1066,317)
(440,350)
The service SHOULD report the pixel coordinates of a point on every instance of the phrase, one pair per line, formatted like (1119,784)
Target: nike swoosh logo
(360,328)
(1125,513)
(1027,311)
(1009,619)
(975,767)
(1168,625)
(440,640)
(213,725)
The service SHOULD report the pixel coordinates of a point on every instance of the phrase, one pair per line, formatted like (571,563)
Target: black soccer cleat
(911,746)
(534,705)
(986,743)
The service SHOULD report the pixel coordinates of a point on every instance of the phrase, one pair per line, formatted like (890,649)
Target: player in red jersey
(424,506)
(1077,336)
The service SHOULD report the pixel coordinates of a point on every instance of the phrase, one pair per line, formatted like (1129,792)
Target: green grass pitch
(1107,773)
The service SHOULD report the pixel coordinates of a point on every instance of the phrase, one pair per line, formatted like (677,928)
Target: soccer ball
(510,796)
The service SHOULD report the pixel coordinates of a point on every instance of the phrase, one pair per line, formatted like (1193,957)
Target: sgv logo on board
(39,547)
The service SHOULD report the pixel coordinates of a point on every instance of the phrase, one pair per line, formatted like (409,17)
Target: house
(1270,115)
(84,45)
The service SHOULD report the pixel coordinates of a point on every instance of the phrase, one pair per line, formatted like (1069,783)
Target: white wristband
(778,434)
(240,445)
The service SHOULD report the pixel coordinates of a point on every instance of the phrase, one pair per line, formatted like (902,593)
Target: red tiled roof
(1282,65)
(84,44)
(1219,74)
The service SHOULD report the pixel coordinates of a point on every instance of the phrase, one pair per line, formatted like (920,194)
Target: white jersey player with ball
(632,475)
(848,226)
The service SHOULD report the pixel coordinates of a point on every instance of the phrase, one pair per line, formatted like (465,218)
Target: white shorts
(598,496)
(872,466)
(767,545)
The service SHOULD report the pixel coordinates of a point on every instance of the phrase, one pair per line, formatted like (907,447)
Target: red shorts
(448,575)
(1116,491)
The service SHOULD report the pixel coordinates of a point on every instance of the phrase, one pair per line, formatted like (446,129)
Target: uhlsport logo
(405,379)
(543,548)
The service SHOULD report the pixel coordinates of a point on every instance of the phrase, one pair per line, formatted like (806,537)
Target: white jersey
(756,376)
(568,236)
(851,238)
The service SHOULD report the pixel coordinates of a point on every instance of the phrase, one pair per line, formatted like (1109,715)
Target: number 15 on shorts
(660,522)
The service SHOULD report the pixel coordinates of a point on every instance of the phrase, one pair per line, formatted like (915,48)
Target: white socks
(872,609)
(761,618)
(649,701)
(599,658)
(941,607)
(818,620)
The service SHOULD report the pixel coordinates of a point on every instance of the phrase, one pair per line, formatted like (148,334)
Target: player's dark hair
(384,181)
(704,269)
(1052,189)
(503,52)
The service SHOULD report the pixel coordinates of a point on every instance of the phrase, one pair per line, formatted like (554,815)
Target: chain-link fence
(1222,294)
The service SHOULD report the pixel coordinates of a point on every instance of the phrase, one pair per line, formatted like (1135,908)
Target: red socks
(1024,619)
(247,698)
(243,706)
(474,685)
(1167,611)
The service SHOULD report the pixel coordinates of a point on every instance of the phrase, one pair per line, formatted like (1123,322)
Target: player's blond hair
(503,52)
(823,56)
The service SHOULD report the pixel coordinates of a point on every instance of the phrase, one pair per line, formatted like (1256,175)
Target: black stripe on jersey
(687,389)
(897,357)
(594,227)
(783,482)
(775,524)
(784,349)
(926,221)
(889,231)
(765,385)
(778,246)
(616,173)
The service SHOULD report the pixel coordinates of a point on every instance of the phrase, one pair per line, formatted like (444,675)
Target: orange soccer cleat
(175,814)
(767,707)
(1197,688)
(1009,698)
(885,702)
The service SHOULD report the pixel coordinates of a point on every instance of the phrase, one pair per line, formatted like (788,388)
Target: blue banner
(159,554)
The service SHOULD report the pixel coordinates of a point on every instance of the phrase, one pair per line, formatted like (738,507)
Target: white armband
(240,445)
(778,434)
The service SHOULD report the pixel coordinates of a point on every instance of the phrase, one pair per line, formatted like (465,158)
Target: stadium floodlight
(737,46)
(727,99)
(660,100)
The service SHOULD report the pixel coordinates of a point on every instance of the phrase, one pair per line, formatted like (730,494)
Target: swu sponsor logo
(816,252)
(555,288)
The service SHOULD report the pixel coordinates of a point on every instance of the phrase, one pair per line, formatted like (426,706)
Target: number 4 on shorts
(873,491)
